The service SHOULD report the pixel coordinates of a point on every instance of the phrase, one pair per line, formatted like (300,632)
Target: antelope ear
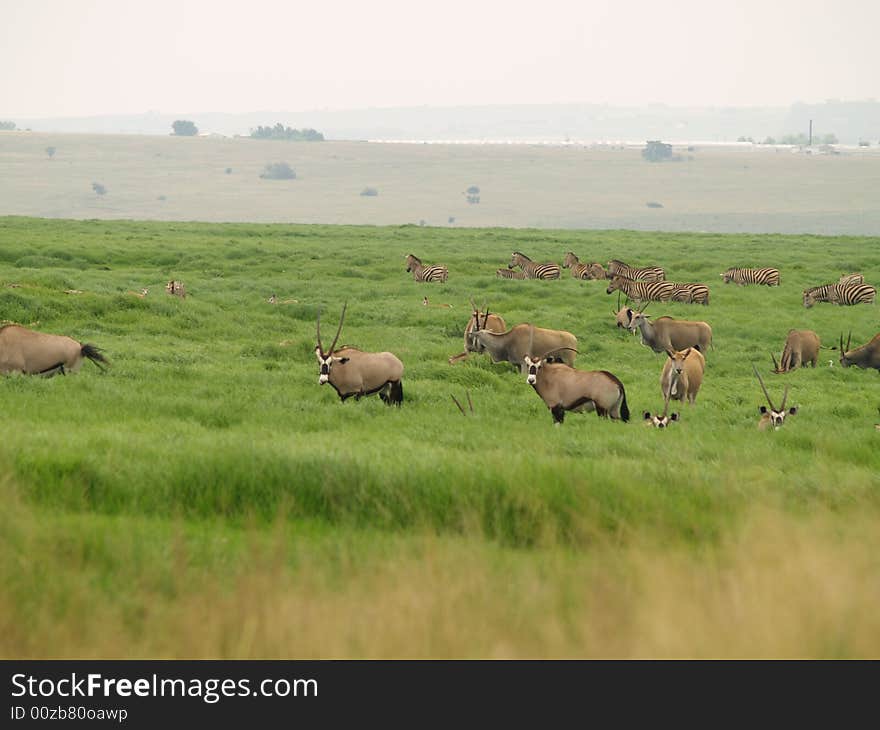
(670,352)
(673,416)
(763,409)
(687,352)
(317,352)
(647,415)
(793,411)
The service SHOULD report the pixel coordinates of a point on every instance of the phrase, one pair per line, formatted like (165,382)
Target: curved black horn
(531,338)
(775,364)
(848,340)
(784,398)
(322,346)
(842,351)
(763,387)
(486,318)
(339,329)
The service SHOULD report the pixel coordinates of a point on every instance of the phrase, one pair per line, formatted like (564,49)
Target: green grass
(211,416)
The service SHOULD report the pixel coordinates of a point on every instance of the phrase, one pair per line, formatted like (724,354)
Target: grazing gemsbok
(420,272)
(666,333)
(510,274)
(851,279)
(661,420)
(842,294)
(691,293)
(35,353)
(478,321)
(176,288)
(801,347)
(532,269)
(642,291)
(563,388)
(616,267)
(774,417)
(866,357)
(353,372)
(524,339)
(741,277)
(682,374)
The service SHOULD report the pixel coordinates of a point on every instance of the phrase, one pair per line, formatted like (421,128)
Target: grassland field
(206,498)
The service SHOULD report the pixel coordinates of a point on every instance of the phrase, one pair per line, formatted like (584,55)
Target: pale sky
(89,57)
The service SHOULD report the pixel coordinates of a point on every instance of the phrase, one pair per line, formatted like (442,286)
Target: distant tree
(99,189)
(184,128)
(7,126)
(796,139)
(278,171)
(50,151)
(369,192)
(473,190)
(228,170)
(829,139)
(279,131)
(864,143)
(769,140)
(745,139)
(451,220)
(656,151)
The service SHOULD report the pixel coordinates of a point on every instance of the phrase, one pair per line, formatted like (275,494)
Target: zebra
(616,267)
(642,291)
(766,277)
(578,270)
(421,272)
(851,279)
(510,274)
(691,293)
(534,270)
(842,294)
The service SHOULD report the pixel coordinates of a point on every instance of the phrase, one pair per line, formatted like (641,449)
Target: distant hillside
(849,121)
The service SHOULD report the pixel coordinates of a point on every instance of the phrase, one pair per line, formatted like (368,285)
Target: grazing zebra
(421,272)
(642,291)
(510,274)
(532,269)
(766,277)
(851,279)
(843,294)
(616,267)
(690,293)
(578,270)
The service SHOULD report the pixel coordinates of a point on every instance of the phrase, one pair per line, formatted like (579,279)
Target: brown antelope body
(479,321)
(353,372)
(866,357)
(801,347)
(773,417)
(176,288)
(682,375)
(666,333)
(513,346)
(563,388)
(36,353)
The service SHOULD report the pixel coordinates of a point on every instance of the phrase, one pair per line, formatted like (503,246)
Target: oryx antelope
(666,333)
(774,417)
(851,279)
(801,347)
(661,420)
(353,372)
(512,346)
(563,388)
(510,274)
(682,374)
(842,294)
(176,288)
(642,291)
(420,272)
(616,267)
(741,277)
(532,269)
(866,357)
(479,321)
(36,353)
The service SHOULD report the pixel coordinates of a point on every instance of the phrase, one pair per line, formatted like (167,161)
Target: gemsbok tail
(624,408)
(94,354)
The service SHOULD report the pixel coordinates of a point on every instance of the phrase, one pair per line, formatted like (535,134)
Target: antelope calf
(682,374)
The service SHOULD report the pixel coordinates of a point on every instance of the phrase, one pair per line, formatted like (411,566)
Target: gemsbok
(524,339)
(353,372)
(479,321)
(36,353)
(563,388)
(866,357)
(773,417)
(532,269)
(741,277)
(801,347)
(661,420)
(176,288)
(666,333)
(420,272)
(682,375)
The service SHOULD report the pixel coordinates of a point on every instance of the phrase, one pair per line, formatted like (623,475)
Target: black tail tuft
(94,354)
(624,408)
(396,395)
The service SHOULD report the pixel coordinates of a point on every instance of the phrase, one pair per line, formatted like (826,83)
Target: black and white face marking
(777,418)
(533,367)
(325,363)
(660,421)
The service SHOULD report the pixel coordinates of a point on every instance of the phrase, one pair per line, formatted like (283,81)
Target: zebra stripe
(652,291)
(578,270)
(534,270)
(691,293)
(510,274)
(851,279)
(842,294)
(616,267)
(421,272)
(766,277)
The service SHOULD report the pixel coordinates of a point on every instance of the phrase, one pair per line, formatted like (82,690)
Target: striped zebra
(842,294)
(851,279)
(510,274)
(532,269)
(690,293)
(642,291)
(421,272)
(766,277)
(578,270)
(616,267)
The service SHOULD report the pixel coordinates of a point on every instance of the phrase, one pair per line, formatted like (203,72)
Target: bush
(278,171)
(654,204)
(228,170)
(184,128)
(7,126)
(50,151)
(370,192)
(98,188)
(279,131)
(656,151)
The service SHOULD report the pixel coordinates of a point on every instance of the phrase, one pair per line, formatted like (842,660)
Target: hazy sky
(85,57)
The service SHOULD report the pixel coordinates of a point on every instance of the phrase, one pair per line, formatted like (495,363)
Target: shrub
(184,128)
(7,126)
(99,188)
(50,151)
(656,151)
(370,192)
(279,131)
(278,171)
